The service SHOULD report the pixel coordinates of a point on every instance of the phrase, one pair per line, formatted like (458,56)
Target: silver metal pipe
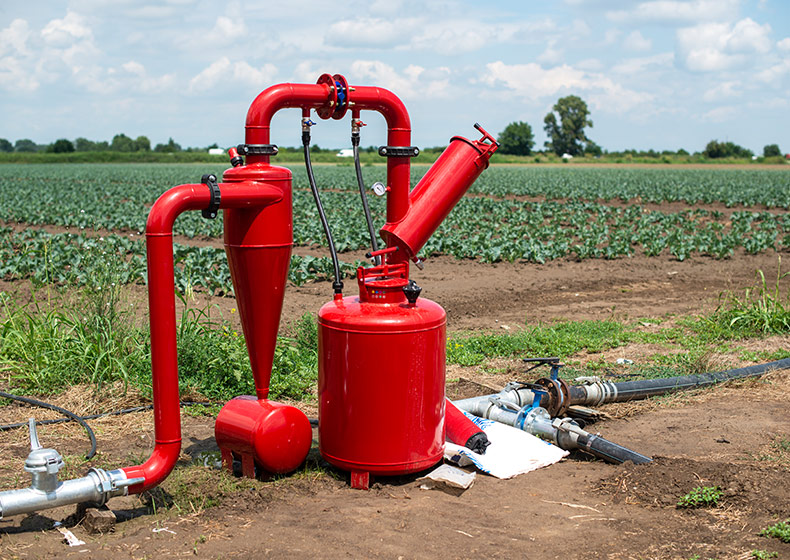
(97,487)
(562,431)
(46,491)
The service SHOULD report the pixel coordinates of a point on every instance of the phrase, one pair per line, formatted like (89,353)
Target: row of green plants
(478,228)
(77,259)
(118,196)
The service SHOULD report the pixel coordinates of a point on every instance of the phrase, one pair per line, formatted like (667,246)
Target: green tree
(25,145)
(84,145)
(122,143)
(516,139)
(716,150)
(6,146)
(565,126)
(142,144)
(61,146)
(170,147)
(772,150)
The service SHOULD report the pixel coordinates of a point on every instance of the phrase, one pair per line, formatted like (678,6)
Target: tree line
(119,143)
(566,124)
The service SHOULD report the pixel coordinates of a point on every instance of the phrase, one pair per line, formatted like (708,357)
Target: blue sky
(661,74)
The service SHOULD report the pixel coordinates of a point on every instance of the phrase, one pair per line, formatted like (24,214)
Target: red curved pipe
(312,96)
(162,311)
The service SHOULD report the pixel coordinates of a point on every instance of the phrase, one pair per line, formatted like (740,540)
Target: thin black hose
(338,283)
(6,427)
(63,411)
(374,244)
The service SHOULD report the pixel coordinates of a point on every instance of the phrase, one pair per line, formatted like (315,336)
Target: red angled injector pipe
(161,300)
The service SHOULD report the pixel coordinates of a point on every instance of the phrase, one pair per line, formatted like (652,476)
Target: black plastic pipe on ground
(607,392)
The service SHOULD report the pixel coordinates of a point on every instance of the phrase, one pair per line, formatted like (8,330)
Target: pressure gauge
(379,188)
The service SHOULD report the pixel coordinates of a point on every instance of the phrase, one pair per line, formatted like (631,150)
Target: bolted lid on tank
(388,303)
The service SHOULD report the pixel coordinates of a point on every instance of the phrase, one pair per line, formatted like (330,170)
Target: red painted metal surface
(437,193)
(274,436)
(379,344)
(374,344)
(162,311)
(459,428)
(318,97)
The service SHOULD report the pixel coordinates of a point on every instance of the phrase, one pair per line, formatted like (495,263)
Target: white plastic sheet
(512,451)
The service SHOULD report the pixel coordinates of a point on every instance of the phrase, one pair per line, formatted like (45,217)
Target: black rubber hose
(609,451)
(337,285)
(63,411)
(6,427)
(374,244)
(633,390)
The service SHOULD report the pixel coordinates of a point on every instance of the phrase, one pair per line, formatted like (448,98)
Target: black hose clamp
(399,151)
(210,180)
(258,149)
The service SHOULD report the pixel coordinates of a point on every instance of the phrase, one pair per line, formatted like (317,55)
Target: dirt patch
(578,508)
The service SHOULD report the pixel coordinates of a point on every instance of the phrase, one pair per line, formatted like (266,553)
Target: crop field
(624,273)
(514,214)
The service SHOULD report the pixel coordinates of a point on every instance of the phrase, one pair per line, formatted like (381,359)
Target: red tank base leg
(227,459)
(247,465)
(360,480)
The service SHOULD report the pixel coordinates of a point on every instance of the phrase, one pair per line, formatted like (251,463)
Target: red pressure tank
(381,376)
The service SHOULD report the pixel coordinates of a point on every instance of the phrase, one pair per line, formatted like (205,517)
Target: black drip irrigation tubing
(81,420)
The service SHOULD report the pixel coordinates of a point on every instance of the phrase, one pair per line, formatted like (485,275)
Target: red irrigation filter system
(387,340)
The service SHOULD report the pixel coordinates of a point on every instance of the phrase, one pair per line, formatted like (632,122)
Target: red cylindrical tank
(274,436)
(381,378)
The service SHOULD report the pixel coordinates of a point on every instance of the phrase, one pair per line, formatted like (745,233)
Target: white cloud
(14,38)
(413,81)
(228,30)
(721,91)
(611,36)
(636,42)
(677,12)
(773,74)
(551,55)
(533,82)
(720,114)
(461,36)
(65,32)
(784,44)
(369,32)
(721,46)
(632,66)
(223,71)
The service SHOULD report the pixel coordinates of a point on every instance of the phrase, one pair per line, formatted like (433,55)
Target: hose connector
(46,491)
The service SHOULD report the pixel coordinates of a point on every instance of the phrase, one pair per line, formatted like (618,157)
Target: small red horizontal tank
(381,377)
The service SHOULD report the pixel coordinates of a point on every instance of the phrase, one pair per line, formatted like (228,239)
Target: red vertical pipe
(271,100)
(162,315)
(398,134)
(281,96)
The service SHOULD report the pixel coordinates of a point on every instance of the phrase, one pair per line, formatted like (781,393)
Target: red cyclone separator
(162,312)
(311,96)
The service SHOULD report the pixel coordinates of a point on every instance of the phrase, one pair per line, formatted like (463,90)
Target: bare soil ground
(735,437)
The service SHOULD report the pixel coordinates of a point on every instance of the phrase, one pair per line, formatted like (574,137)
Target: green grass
(779,531)
(700,497)
(44,350)
(761,309)
(763,554)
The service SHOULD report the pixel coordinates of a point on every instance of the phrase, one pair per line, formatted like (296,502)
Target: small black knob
(412,292)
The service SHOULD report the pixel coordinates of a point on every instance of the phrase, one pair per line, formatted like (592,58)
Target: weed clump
(701,496)
(779,531)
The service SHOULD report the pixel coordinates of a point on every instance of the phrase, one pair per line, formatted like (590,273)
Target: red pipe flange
(326,111)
